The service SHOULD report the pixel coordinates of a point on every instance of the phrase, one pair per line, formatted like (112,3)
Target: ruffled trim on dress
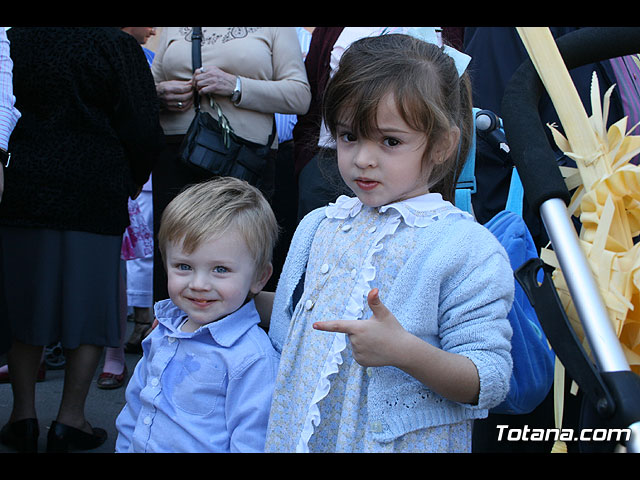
(331,365)
(416,212)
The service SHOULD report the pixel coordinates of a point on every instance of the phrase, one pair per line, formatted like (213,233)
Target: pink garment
(137,241)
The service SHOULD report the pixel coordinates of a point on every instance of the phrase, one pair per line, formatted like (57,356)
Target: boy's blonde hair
(208,210)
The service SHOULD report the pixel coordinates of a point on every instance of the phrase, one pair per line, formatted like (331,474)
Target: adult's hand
(213,81)
(175,95)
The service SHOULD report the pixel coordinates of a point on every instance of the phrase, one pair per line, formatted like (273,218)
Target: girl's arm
(264,306)
(450,375)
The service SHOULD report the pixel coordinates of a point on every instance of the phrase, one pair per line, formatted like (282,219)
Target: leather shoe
(109,381)
(140,332)
(21,435)
(62,438)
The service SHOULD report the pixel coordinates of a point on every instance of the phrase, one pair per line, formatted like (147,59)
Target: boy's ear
(446,146)
(261,279)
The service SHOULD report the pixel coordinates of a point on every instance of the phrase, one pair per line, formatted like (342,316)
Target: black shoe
(140,331)
(143,326)
(62,438)
(21,435)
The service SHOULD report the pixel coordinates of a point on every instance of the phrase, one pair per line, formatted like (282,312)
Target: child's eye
(391,142)
(183,266)
(220,269)
(347,137)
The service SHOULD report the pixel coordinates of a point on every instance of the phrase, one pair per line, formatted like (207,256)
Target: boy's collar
(225,331)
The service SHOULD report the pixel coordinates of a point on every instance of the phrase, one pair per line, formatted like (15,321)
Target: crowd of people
(244,297)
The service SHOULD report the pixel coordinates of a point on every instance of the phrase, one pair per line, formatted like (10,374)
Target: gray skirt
(60,286)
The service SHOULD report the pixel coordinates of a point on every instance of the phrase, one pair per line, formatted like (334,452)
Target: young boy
(205,380)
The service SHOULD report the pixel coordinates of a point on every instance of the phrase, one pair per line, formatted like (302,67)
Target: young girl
(391,312)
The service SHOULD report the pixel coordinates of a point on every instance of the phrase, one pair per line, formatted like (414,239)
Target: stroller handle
(532,154)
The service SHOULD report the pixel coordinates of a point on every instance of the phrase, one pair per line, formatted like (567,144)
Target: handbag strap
(196,61)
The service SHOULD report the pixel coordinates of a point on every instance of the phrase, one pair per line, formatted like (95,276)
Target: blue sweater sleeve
(473,320)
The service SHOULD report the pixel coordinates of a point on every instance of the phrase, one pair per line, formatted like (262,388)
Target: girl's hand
(175,95)
(381,341)
(376,341)
(213,81)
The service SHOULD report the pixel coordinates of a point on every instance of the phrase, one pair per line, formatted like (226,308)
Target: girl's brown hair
(430,95)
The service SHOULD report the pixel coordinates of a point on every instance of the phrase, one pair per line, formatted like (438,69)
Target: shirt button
(308,305)
(324,268)
(372,229)
(376,427)
(354,272)
(346,228)
(155,382)
(171,339)
(147,420)
(369,371)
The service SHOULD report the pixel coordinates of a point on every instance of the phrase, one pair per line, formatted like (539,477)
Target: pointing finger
(339,326)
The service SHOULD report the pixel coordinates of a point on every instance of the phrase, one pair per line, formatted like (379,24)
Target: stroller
(611,390)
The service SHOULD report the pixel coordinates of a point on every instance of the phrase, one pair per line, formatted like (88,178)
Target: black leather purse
(211,146)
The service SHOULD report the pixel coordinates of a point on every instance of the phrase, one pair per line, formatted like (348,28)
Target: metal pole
(633,446)
(591,309)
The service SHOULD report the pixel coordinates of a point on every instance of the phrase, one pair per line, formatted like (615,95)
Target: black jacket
(89,132)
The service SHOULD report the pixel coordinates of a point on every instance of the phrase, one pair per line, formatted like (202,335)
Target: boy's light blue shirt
(206,391)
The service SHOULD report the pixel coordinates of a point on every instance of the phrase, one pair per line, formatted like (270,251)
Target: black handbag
(211,146)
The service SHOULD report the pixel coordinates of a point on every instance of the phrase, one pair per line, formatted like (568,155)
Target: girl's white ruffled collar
(418,211)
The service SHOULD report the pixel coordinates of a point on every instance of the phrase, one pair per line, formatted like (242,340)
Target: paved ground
(103,406)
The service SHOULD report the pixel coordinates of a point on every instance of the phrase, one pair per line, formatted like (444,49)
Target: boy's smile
(212,281)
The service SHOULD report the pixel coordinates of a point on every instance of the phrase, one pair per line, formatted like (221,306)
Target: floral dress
(320,402)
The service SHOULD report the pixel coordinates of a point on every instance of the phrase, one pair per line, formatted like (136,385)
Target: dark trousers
(5,325)
(285,208)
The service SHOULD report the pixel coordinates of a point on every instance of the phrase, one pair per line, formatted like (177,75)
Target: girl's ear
(446,146)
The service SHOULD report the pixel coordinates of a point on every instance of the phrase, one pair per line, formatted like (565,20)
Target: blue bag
(533,358)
